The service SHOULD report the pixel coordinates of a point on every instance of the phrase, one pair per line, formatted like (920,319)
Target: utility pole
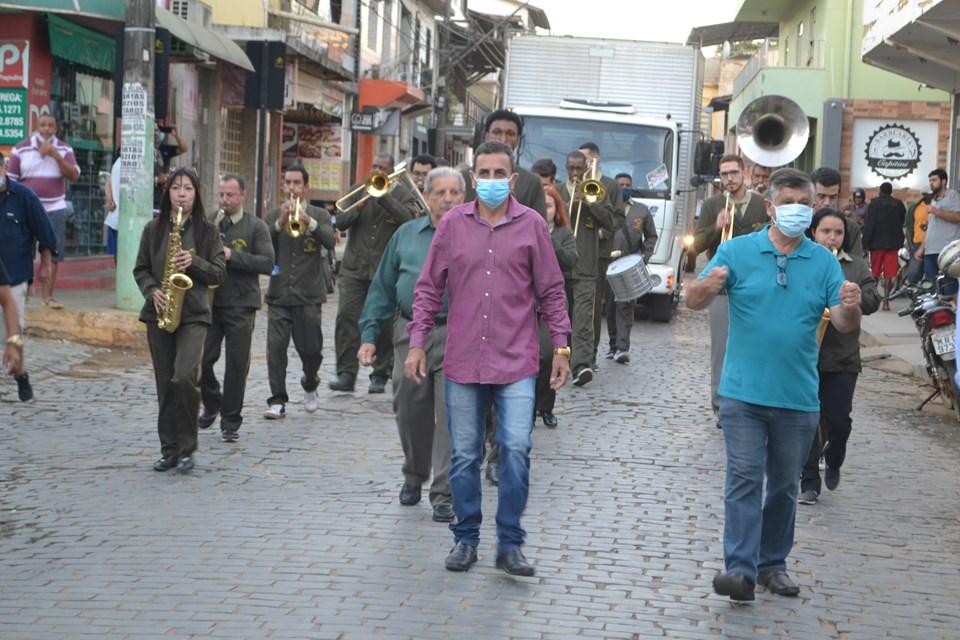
(137,149)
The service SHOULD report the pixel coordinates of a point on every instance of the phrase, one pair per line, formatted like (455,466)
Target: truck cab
(645,148)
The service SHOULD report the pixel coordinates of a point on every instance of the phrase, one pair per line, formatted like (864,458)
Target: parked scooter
(936,322)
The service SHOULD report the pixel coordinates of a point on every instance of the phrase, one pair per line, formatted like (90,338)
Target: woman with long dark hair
(176,354)
(839,364)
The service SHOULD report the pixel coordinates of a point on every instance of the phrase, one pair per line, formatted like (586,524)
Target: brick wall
(892,109)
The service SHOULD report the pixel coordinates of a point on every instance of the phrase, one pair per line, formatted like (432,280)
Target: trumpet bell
(772,131)
(295,228)
(593,191)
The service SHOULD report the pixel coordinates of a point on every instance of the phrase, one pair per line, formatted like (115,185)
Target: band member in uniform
(507,127)
(420,408)
(176,345)
(296,291)
(371,225)
(248,249)
(603,300)
(759,178)
(420,166)
(749,215)
(638,235)
(826,182)
(582,285)
(546,170)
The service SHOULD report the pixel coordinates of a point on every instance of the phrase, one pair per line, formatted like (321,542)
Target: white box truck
(640,103)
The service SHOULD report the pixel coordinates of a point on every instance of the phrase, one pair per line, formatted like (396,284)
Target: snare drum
(628,278)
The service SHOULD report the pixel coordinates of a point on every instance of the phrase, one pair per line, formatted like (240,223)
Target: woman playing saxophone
(179,242)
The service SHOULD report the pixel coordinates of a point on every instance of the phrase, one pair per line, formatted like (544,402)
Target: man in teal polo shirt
(420,408)
(778,284)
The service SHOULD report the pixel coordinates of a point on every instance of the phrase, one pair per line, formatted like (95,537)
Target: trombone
(378,184)
(731,211)
(295,226)
(591,190)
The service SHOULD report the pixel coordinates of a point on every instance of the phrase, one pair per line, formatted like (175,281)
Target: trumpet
(590,189)
(295,226)
(378,184)
(825,319)
(727,231)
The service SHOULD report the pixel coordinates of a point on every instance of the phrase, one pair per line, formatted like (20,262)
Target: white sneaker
(310,401)
(275,412)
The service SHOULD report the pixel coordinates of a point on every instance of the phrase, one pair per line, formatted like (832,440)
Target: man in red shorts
(883,237)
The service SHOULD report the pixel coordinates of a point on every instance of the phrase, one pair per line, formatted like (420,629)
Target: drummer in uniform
(638,236)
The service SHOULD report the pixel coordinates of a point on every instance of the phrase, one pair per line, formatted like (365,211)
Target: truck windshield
(643,152)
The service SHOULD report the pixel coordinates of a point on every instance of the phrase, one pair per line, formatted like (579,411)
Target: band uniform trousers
(176,368)
(421,411)
(581,294)
(303,322)
(353,293)
(234,327)
(622,316)
(603,307)
(836,404)
(719,319)
(546,398)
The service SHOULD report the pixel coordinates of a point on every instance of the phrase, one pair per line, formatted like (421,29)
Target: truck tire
(661,307)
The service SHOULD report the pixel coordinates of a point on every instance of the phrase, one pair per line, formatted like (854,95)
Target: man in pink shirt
(494,261)
(43,163)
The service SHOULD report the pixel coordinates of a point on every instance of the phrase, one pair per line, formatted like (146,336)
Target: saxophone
(175,285)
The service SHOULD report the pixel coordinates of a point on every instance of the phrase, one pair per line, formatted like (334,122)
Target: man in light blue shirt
(778,284)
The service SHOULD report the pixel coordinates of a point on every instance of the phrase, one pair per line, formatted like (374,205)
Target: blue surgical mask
(794,219)
(627,193)
(493,192)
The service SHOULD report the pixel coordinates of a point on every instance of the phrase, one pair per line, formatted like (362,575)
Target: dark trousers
(602,307)
(836,404)
(581,294)
(546,398)
(931,270)
(346,336)
(233,326)
(303,323)
(176,368)
(622,315)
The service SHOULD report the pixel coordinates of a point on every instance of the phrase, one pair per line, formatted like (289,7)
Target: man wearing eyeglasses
(778,283)
(749,215)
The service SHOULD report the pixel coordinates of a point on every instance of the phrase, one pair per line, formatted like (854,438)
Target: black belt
(437,321)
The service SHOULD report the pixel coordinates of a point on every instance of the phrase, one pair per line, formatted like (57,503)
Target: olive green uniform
(294,297)
(235,305)
(603,302)
(371,225)
(176,356)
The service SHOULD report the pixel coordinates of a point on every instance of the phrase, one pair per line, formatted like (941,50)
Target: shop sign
(13,116)
(902,152)
(14,63)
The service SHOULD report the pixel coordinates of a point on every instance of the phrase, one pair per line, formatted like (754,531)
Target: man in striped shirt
(43,163)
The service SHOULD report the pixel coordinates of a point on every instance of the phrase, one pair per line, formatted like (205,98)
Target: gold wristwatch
(16,340)
(562,351)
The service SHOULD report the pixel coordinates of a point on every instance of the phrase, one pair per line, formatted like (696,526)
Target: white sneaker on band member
(311,402)
(275,412)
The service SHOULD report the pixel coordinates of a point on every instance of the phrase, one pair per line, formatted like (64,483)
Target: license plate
(943,339)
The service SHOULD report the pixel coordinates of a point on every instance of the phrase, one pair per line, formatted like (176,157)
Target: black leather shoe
(779,582)
(377,384)
(443,512)
(24,389)
(493,474)
(409,495)
(735,585)
(461,557)
(207,418)
(549,420)
(230,436)
(831,478)
(514,563)
(165,464)
(344,382)
(185,464)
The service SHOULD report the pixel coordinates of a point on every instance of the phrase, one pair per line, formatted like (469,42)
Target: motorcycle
(936,322)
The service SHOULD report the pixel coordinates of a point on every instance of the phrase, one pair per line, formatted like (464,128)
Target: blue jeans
(930,271)
(466,415)
(762,439)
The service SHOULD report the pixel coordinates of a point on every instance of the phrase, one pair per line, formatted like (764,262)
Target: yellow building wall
(239,13)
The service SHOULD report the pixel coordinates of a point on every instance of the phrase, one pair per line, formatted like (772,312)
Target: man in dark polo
(507,127)
(420,408)
(586,220)
(296,292)
(370,227)
(249,252)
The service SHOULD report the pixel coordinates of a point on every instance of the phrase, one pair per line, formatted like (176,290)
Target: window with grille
(230,148)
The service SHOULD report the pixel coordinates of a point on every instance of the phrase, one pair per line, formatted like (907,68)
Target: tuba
(772,131)
(175,284)
(295,226)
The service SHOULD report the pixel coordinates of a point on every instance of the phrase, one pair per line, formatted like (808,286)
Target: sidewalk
(891,343)
(89,316)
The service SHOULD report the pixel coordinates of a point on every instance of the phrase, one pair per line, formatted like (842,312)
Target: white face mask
(3,182)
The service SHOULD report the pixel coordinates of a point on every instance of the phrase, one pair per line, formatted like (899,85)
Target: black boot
(344,382)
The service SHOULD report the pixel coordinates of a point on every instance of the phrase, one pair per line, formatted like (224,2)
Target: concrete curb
(99,328)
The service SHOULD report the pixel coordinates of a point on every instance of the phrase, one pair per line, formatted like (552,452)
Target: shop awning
(109,9)
(217,45)
(389,93)
(714,34)
(83,46)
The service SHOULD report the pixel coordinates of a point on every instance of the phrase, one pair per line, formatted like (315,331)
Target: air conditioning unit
(192,11)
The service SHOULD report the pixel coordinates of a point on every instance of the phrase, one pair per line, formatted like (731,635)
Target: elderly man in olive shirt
(370,226)
(249,253)
(295,294)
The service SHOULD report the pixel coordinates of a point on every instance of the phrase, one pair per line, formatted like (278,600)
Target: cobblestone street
(296,531)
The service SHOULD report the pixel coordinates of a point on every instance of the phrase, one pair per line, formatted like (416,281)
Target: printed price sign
(13,116)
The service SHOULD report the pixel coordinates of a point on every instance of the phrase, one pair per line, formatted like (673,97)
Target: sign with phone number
(13,116)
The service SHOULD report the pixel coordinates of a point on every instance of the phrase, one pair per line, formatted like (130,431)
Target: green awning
(109,9)
(217,45)
(81,45)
